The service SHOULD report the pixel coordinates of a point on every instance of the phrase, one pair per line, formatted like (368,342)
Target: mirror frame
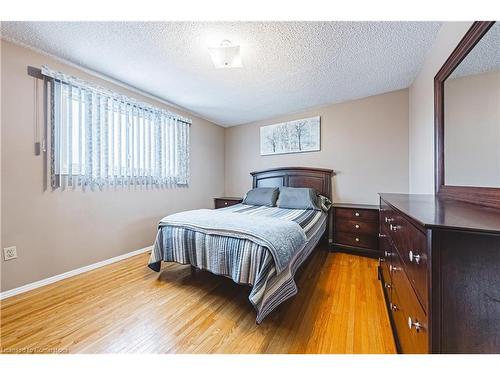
(486,196)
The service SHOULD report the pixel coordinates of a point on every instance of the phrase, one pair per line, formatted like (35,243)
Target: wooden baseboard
(65,275)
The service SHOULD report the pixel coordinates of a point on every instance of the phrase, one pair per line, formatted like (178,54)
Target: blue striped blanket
(281,237)
(228,242)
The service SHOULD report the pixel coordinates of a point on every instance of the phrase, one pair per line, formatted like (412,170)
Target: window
(102,138)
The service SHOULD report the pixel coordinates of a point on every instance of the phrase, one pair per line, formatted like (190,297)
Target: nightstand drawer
(356,214)
(357,240)
(358,227)
(226,202)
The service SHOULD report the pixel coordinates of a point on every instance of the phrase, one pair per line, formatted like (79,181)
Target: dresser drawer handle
(393,227)
(380,235)
(387,286)
(387,254)
(414,323)
(387,220)
(393,269)
(356,226)
(393,307)
(356,214)
(356,239)
(414,257)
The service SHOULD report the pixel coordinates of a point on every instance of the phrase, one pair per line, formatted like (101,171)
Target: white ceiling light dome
(226,55)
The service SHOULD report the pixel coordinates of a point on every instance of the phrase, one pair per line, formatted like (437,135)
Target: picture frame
(296,136)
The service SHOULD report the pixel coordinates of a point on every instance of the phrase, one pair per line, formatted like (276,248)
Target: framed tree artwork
(290,137)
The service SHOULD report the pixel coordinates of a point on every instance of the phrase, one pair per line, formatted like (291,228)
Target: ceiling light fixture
(226,55)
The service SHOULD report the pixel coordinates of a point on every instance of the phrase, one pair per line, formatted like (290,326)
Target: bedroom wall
(365,141)
(422,108)
(62,230)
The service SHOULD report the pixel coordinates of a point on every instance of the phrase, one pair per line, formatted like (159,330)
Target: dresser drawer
(396,228)
(357,240)
(386,217)
(415,258)
(357,227)
(409,318)
(356,214)
(411,244)
(386,278)
(385,263)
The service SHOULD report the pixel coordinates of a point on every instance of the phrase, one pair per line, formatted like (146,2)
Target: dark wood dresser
(226,201)
(356,228)
(440,272)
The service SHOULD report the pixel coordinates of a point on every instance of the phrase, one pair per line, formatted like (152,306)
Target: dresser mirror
(467,105)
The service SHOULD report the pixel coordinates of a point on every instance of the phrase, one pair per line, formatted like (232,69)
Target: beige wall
(472,128)
(422,108)
(365,141)
(62,230)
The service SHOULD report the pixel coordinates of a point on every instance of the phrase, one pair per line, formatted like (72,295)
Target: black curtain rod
(37,73)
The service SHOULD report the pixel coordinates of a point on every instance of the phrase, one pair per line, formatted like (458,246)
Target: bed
(253,245)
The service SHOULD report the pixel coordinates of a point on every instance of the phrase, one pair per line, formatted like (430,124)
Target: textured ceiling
(288,66)
(484,57)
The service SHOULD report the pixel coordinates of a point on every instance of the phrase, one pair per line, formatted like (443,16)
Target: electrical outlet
(9,253)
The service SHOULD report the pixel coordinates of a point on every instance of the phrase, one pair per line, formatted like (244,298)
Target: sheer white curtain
(101,138)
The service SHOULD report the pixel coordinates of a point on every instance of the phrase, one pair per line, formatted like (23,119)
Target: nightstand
(226,201)
(356,228)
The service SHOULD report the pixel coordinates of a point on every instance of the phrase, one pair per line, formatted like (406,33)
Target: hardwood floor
(125,307)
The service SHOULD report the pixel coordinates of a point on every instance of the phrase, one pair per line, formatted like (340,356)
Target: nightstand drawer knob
(356,239)
(356,214)
(225,203)
(356,226)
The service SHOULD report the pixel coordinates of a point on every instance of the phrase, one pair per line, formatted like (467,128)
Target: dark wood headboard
(315,178)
